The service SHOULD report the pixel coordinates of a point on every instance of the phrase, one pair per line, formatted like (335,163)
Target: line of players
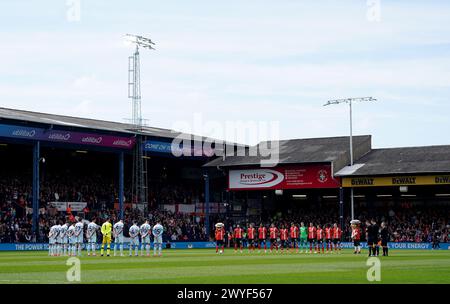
(66,239)
(285,238)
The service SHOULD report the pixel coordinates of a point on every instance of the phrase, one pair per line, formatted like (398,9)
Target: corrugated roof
(311,150)
(78,122)
(410,160)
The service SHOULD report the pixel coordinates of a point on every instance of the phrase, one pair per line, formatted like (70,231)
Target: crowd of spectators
(406,224)
(100,196)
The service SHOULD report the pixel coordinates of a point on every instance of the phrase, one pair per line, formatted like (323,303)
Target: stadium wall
(205,245)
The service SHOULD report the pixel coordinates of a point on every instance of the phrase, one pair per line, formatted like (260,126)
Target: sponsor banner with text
(289,177)
(62,206)
(211,245)
(420,180)
(192,148)
(71,137)
(44,246)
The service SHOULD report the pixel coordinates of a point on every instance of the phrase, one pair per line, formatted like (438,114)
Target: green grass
(204,266)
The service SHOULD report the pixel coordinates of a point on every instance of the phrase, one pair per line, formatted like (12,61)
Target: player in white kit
(91,236)
(72,241)
(64,238)
(79,235)
(157,231)
(118,237)
(145,237)
(52,235)
(134,239)
(58,240)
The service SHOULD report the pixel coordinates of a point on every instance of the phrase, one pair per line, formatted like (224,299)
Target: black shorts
(356,243)
(284,243)
(319,241)
(328,241)
(384,243)
(336,241)
(294,241)
(273,241)
(238,241)
(311,240)
(251,241)
(219,242)
(262,241)
(369,243)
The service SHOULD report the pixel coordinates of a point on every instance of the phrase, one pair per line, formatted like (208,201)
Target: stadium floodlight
(134,81)
(349,101)
(139,41)
(139,180)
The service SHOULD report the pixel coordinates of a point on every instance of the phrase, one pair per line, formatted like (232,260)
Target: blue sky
(237,61)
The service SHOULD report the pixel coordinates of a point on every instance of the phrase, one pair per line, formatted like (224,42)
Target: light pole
(139,183)
(349,101)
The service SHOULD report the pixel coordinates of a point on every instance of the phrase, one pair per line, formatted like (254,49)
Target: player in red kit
(311,236)
(337,233)
(294,234)
(320,233)
(273,235)
(328,238)
(284,237)
(237,238)
(251,236)
(220,237)
(262,236)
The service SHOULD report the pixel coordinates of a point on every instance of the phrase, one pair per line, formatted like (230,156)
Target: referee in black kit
(384,234)
(376,238)
(371,236)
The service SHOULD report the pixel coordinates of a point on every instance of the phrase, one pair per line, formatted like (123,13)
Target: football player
(311,237)
(79,226)
(118,237)
(303,238)
(134,238)
(262,235)
(273,234)
(64,238)
(144,230)
(58,240)
(72,240)
(157,232)
(91,236)
(106,232)
(52,235)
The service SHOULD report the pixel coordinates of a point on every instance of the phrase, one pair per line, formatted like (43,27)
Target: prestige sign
(420,180)
(289,177)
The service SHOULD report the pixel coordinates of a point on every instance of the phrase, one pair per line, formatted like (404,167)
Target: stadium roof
(411,160)
(311,150)
(77,122)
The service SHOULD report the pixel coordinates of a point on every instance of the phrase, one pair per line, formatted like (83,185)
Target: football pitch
(205,266)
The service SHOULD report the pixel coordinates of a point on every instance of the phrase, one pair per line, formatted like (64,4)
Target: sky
(222,62)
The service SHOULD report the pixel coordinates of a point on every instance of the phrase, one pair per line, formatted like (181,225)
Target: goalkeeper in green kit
(303,238)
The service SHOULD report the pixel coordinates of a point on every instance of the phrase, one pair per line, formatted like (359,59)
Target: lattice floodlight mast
(134,77)
(140,180)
